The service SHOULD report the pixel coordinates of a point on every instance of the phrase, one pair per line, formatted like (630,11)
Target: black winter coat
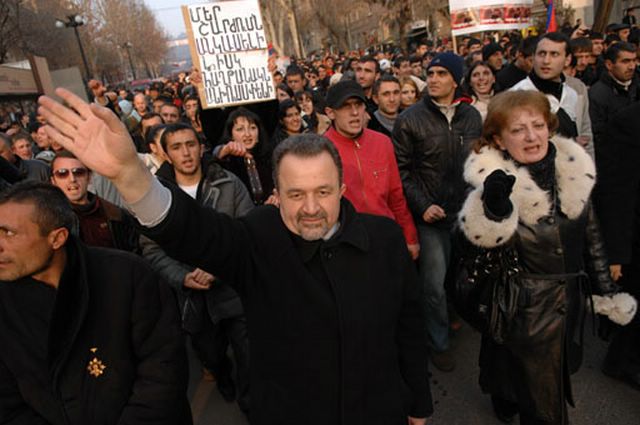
(617,193)
(340,350)
(431,153)
(550,233)
(108,306)
(606,100)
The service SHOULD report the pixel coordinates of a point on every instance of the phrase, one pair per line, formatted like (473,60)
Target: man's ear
(58,237)
(608,64)
(329,112)
(276,193)
(343,189)
(567,61)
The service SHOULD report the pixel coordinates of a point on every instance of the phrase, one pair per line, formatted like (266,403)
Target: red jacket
(372,178)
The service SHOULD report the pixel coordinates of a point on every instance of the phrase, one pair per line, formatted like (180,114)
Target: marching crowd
(332,239)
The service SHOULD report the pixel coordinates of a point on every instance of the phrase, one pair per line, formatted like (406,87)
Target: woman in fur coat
(530,194)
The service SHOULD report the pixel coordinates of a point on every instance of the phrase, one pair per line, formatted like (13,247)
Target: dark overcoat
(109,307)
(340,350)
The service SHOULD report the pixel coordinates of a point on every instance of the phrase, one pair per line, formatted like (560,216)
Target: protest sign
(229,48)
(469,16)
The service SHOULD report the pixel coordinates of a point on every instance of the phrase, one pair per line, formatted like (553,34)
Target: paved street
(457,397)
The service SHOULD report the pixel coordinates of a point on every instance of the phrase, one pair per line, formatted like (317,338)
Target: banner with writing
(469,16)
(229,48)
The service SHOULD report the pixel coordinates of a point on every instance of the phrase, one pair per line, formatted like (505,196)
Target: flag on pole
(552,25)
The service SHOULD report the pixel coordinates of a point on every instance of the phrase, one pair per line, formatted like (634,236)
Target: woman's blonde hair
(409,80)
(502,108)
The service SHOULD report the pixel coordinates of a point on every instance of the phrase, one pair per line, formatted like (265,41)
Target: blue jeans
(435,254)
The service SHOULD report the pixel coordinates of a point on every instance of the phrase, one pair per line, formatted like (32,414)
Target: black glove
(497,188)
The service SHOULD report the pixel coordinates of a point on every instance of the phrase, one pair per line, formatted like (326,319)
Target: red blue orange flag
(552,25)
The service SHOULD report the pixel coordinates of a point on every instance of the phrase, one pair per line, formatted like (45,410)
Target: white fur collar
(575,177)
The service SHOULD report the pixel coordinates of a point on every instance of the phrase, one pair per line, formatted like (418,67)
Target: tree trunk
(602,15)
(293,29)
(272,35)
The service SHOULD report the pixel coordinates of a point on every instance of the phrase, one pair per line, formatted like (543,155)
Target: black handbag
(486,291)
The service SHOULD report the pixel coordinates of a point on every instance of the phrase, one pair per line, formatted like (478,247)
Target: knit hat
(490,49)
(451,62)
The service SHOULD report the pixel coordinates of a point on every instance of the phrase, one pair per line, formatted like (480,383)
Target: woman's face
(245,132)
(408,95)
(191,108)
(282,95)
(526,136)
(482,80)
(292,121)
(306,104)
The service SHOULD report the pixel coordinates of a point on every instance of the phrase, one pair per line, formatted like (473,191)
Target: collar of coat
(352,230)
(575,178)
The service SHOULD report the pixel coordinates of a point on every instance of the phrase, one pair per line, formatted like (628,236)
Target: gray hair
(305,146)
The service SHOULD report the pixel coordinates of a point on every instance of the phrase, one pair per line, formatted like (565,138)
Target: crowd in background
(423,109)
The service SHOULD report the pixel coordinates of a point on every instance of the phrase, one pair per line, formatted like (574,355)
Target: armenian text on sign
(229,48)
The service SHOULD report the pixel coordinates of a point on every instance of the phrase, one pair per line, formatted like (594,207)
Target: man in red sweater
(370,169)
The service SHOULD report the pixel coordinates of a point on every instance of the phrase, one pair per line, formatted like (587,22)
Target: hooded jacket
(222,191)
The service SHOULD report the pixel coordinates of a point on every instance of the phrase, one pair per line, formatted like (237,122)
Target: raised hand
(98,139)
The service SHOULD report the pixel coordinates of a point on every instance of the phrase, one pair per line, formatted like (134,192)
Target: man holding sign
(332,298)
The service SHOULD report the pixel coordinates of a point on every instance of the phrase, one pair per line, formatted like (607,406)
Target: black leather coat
(546,335)
(431,153)
(544,343)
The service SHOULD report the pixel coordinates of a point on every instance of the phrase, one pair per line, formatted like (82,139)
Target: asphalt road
(457,397)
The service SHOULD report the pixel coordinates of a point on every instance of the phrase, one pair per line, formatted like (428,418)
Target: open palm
(94,134)
(99,140)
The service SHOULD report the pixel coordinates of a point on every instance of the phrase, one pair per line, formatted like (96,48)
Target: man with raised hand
(332,298)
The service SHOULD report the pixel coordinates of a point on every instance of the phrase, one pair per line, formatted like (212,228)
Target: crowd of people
(332,239)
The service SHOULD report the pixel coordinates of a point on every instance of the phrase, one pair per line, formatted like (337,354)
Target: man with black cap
(432,139)
(370,169)
(621,30)
(493,54)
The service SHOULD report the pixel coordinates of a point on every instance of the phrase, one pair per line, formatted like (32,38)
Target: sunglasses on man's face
(63,173)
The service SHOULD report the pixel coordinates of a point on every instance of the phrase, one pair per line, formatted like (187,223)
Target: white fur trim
(619,308)
(575,175)
(479,229)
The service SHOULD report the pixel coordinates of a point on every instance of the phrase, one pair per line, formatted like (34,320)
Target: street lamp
(128,46)
(74,21)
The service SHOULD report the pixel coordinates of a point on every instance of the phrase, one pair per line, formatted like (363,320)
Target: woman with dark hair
(314,120)
(283,92)
(479,83)
(245,150)
(191,108)
(289,121)
(527,225)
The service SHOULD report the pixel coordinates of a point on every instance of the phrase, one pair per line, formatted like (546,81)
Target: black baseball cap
(342,91)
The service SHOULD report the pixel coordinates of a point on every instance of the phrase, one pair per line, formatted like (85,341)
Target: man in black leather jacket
(432,140)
